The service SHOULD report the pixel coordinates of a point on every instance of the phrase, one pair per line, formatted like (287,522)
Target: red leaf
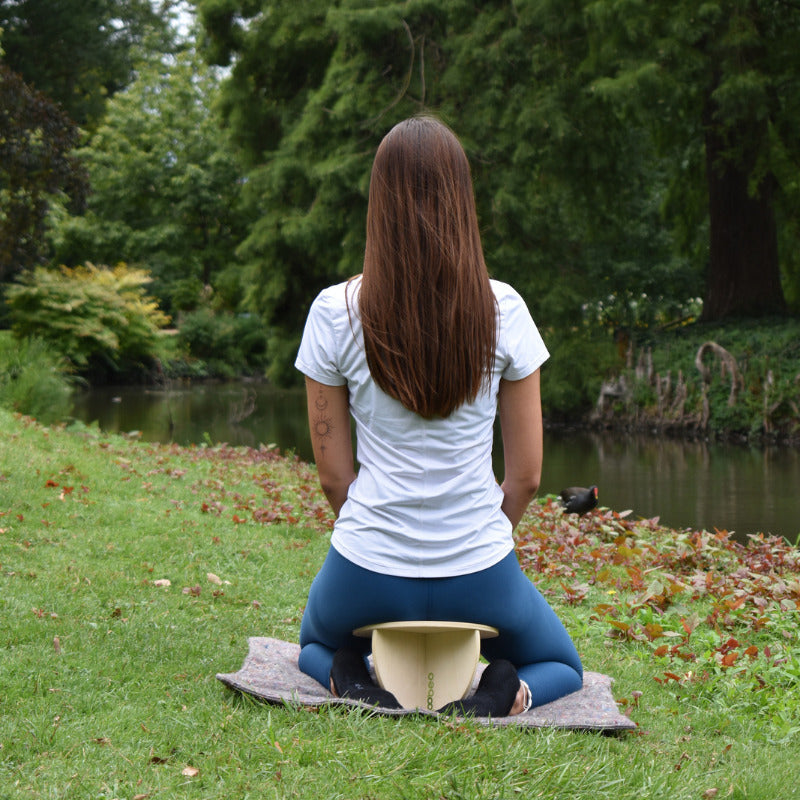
(731,644)
(729,659)
(653,630)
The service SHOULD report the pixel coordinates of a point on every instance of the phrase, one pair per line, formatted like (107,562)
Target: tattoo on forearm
(322,426)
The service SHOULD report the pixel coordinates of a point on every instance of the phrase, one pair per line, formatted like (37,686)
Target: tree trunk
(743,275)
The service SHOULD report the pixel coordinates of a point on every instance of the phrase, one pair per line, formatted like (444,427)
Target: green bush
(571,377)
(33,379)
(227,344)
(98,318)
(766,397)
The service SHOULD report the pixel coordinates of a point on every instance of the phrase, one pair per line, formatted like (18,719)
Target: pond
(685,484)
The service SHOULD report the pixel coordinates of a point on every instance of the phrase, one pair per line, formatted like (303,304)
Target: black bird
(578,500)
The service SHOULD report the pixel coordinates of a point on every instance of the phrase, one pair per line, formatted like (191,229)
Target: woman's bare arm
(329,423)
(520,408)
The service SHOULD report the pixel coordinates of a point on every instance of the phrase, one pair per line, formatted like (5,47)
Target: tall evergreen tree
(618,148)
(717,84)
(79,52)
(314,87)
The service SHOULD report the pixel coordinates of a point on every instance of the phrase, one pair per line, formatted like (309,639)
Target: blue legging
(345,596)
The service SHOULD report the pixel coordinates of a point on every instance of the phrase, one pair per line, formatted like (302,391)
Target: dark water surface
(685,484)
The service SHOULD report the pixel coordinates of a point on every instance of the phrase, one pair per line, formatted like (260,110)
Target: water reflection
(685,484)
(236,413)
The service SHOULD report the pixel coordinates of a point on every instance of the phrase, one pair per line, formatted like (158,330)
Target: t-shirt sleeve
(317,357)
(523,347)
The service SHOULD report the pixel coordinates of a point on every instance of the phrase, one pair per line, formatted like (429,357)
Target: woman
(423,350)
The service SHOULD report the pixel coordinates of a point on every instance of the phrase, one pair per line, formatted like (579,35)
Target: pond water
(685,484)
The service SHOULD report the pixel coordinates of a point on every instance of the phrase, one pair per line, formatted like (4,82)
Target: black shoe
(494,696)
(351,679)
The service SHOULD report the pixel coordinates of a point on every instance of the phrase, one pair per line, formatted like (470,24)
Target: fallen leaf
(56,644)
(212,578)
(192,590)
(729,659)
(162,582)
(190,772)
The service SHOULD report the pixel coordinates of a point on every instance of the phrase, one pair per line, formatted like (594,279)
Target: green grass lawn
(107,686)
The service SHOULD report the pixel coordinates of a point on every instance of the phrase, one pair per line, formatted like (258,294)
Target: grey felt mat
(270,672)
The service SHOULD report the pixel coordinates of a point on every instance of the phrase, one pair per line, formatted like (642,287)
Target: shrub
(572,376)
(33,380)
(99,318)
(228,344)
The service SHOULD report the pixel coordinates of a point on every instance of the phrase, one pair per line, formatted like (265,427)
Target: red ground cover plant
(702,603)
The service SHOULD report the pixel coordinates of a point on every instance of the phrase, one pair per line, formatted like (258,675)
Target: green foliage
(78,52)
(227,344)
(716,87)
(165,186)
(579,357)
(98,318)
(626,312)
(766,400)
(36,163)
(33,379)
(565,190)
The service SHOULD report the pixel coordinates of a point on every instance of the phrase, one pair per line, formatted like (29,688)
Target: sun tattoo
(323,429)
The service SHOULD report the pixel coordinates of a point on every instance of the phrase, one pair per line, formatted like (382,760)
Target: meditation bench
(426,664)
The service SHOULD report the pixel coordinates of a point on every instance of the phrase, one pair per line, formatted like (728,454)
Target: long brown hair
(426,305)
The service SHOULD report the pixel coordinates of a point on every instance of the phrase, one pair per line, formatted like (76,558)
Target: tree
(717,85)
(314,87)
(79,52)
(36,163)
(165,186)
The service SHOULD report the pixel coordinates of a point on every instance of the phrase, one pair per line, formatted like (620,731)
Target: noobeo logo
(430,691)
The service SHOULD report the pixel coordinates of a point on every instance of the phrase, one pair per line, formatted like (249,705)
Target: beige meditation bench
(426,664)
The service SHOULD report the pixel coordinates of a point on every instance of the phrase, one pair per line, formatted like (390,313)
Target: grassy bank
(737,380)
(108,670)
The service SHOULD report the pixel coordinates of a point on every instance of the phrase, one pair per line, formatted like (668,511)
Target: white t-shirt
(426,502)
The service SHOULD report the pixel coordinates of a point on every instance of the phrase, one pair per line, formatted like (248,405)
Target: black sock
(494,696)
(351,679)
